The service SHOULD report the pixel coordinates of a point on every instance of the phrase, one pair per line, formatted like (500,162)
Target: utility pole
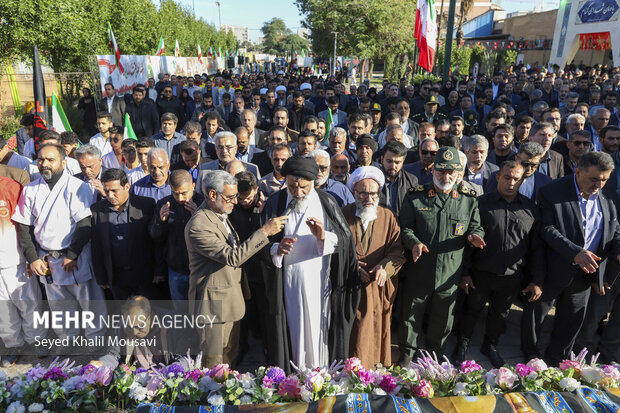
(334,62)
(449,34)
(219,12)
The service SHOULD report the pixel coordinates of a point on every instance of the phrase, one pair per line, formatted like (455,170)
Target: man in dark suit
(276,135)
(143,115)
(113,104)
(579,224)
(529,156)
(122,250)
(551,163)
(478,170)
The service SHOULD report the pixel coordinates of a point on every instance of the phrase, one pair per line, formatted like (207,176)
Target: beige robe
(379,244)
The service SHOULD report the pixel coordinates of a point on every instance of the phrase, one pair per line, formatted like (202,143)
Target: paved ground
(509,347)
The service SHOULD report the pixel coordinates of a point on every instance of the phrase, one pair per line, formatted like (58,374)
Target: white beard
(302,203)
(320,181)
(366,213)
(443,187)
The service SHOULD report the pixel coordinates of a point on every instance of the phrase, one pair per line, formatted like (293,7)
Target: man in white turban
(380,255)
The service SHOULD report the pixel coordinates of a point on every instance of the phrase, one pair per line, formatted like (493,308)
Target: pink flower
(219,372)
(103,376)
(289,389)
(423,389)
(194,375)
(537,365)
(506,378)
(125,368)
(567,364)
(470,365)
(352,365)
(267,382)
(523,370)
(611,372)
(365,376)
(388,383)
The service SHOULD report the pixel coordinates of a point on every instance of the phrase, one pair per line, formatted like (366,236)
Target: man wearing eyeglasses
(578,144)
(423,169)
(226,151)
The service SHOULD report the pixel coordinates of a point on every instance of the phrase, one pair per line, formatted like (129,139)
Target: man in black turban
(310,273)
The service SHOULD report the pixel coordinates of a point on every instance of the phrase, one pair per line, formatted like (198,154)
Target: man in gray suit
(226,151)
(217,286)
(113,104)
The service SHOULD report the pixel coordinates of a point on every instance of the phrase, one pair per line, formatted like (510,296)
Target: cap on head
(447,158)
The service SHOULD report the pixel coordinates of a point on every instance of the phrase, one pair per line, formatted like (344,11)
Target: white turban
(281,88)
(365,172)
(305,86)
(263,91)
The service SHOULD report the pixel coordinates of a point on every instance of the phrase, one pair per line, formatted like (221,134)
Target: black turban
(302,167)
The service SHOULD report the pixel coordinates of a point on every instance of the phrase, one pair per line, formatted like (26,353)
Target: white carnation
(216,400)
(460,389)
(592,375)
(16,407)
(137,393)
(35,407)
(569,384)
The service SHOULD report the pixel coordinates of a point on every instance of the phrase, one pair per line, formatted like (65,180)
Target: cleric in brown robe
(380,255)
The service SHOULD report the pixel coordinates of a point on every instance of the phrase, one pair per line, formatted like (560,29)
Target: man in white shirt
(102,139)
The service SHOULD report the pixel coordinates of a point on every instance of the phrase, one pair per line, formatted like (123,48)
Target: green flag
(59,119)
(128,132)
(328,125)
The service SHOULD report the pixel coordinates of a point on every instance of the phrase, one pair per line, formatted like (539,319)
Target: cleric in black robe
(342,272)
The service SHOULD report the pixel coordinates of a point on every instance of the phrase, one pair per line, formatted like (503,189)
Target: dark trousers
(609,340)
(499,291)
(570,311)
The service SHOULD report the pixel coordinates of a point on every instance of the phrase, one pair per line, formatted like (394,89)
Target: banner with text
(138,69)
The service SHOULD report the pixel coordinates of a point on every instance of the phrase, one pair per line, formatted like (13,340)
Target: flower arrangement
(64,386)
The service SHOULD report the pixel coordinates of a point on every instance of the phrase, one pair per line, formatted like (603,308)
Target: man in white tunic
(19,294)
(53,214)
(313,260)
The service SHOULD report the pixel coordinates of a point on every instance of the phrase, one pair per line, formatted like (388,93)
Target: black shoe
(404,362)
(494,357)
(460,352)
(9,360)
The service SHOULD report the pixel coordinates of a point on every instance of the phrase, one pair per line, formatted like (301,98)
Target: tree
(367,29)
(273,32)
(466,6)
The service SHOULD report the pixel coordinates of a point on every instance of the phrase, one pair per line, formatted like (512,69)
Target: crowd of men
(319,220)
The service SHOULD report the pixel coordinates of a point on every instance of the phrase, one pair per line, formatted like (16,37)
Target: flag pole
(448,48)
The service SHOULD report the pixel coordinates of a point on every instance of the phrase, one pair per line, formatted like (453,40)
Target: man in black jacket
(122,250)
(143,115)
(169,103)
(397,181)
(580,227)
(168,228)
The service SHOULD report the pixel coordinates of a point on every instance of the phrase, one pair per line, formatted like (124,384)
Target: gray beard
(302,203)
(321,181)
(441,186)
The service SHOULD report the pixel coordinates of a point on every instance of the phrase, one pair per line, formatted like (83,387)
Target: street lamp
(219,12)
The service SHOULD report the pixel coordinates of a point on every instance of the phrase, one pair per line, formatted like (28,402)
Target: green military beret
(447,158)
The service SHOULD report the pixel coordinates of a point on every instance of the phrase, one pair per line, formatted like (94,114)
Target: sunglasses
(429,152)
(529,164)
(581,143)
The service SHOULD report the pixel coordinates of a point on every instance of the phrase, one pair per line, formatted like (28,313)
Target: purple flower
(54,373)
(314,382)
(175,369)
(611,372)
(219,372)
(365,376)
(388,383)
(89,368)
(470,365)
(267,382)
(104,376)
(275,374)
(35,373)
(523,370)
(141,370)
(194,375)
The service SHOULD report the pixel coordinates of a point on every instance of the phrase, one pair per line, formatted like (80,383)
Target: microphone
(292,205)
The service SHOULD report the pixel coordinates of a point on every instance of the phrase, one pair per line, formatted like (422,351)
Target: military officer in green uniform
(431,113)
(439,223)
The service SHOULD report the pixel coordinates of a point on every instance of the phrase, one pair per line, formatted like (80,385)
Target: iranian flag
(426,33)
(115,51)
(59,119)
(328,124)
(128,132)
(161,50)
(199,50)
(211,52)
(177,49)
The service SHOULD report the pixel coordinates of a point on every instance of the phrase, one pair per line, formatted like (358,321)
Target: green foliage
(460,58)
(68,31)
(375,29)
(9,125)
(280,40)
